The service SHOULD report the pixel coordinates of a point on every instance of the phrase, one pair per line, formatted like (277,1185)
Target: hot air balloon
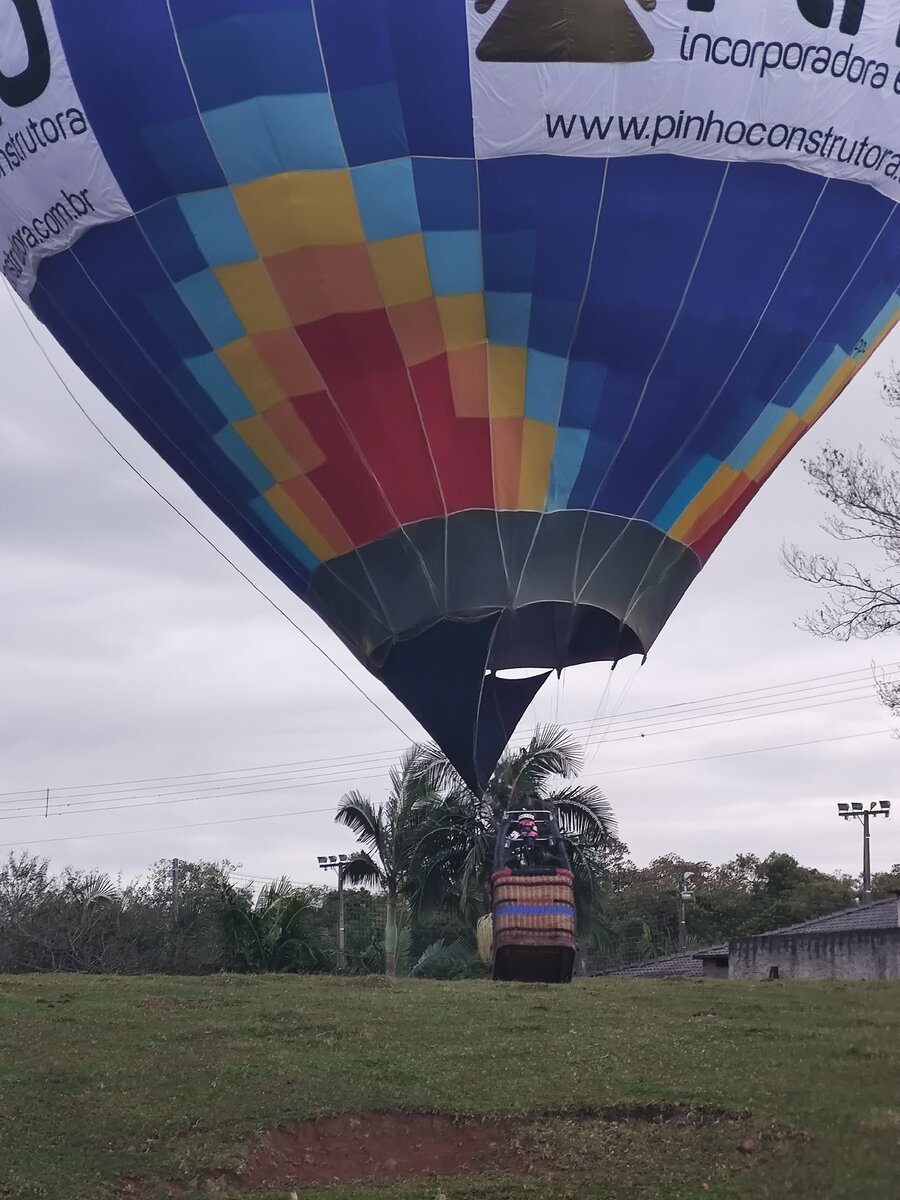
(479,321)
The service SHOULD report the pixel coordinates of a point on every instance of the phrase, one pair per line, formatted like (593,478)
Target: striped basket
(534,925)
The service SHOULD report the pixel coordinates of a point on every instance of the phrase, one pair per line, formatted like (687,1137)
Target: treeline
(200,922)
(84,921)
(417,894)
(745,896)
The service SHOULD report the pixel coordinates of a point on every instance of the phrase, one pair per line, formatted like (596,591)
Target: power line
(777,705)
(86,807)
(18,810)
(845,737)
(126,784)
(795,683)
(311,811)
(691,708)
(225,779)
(223,787)
(648,718)
(71,811)
(83,837)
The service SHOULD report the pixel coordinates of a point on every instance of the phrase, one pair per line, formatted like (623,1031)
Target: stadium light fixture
(857,811)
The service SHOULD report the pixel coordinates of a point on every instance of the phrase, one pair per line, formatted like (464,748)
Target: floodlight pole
(685,893)
(858,811)
(339,863)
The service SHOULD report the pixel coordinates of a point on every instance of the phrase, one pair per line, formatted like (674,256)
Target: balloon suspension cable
(187,520)
(611,717)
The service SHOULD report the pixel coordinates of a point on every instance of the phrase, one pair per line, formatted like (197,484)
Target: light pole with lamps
(857,811)
(339,863)
(686,888)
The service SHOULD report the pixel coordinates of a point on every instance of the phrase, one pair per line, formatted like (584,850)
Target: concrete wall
(856,954)
(715,968)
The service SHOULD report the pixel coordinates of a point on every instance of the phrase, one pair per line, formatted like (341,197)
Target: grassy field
(619,1088)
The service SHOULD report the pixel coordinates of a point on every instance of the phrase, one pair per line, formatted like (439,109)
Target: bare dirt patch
(381,1146)
(409,1146)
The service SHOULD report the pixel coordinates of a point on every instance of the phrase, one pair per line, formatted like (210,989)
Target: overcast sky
(130,651)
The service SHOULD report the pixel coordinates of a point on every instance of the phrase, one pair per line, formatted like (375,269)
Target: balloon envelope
(479,323)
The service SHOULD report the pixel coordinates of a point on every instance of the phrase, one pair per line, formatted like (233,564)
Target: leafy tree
(788,893)
(280,931)
(456,851)
(885,883)
(390,836)
(85,921)
(641,910)
(745,896)
(184,939)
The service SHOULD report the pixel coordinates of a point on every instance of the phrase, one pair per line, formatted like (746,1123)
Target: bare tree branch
(864,495)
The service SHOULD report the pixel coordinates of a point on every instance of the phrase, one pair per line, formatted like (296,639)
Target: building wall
(715,968)
(854,954)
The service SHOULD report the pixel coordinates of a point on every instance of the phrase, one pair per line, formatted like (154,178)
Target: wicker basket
(534,925)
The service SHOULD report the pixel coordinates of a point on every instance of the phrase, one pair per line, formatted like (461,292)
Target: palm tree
(390,835)
(457,843)
(279,932)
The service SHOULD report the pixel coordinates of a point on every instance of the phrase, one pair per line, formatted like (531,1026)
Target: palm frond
(239,928)
(552,751)
(430,890)
(584,812)
(587,883)
(431,765)
(472,879)
(363,870)
(275,892)
(361,816)
(96,887)
(443,960)
(411,760)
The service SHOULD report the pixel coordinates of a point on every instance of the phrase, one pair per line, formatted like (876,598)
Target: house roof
(682,966)
(880,914)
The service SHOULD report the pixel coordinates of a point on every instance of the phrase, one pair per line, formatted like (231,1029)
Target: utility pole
(685,893)
(857,811)
(339,863)
(176,898)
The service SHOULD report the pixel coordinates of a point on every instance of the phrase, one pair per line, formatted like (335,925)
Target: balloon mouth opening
(518,672)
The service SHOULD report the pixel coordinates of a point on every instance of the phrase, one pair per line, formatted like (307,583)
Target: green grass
(97,1087)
